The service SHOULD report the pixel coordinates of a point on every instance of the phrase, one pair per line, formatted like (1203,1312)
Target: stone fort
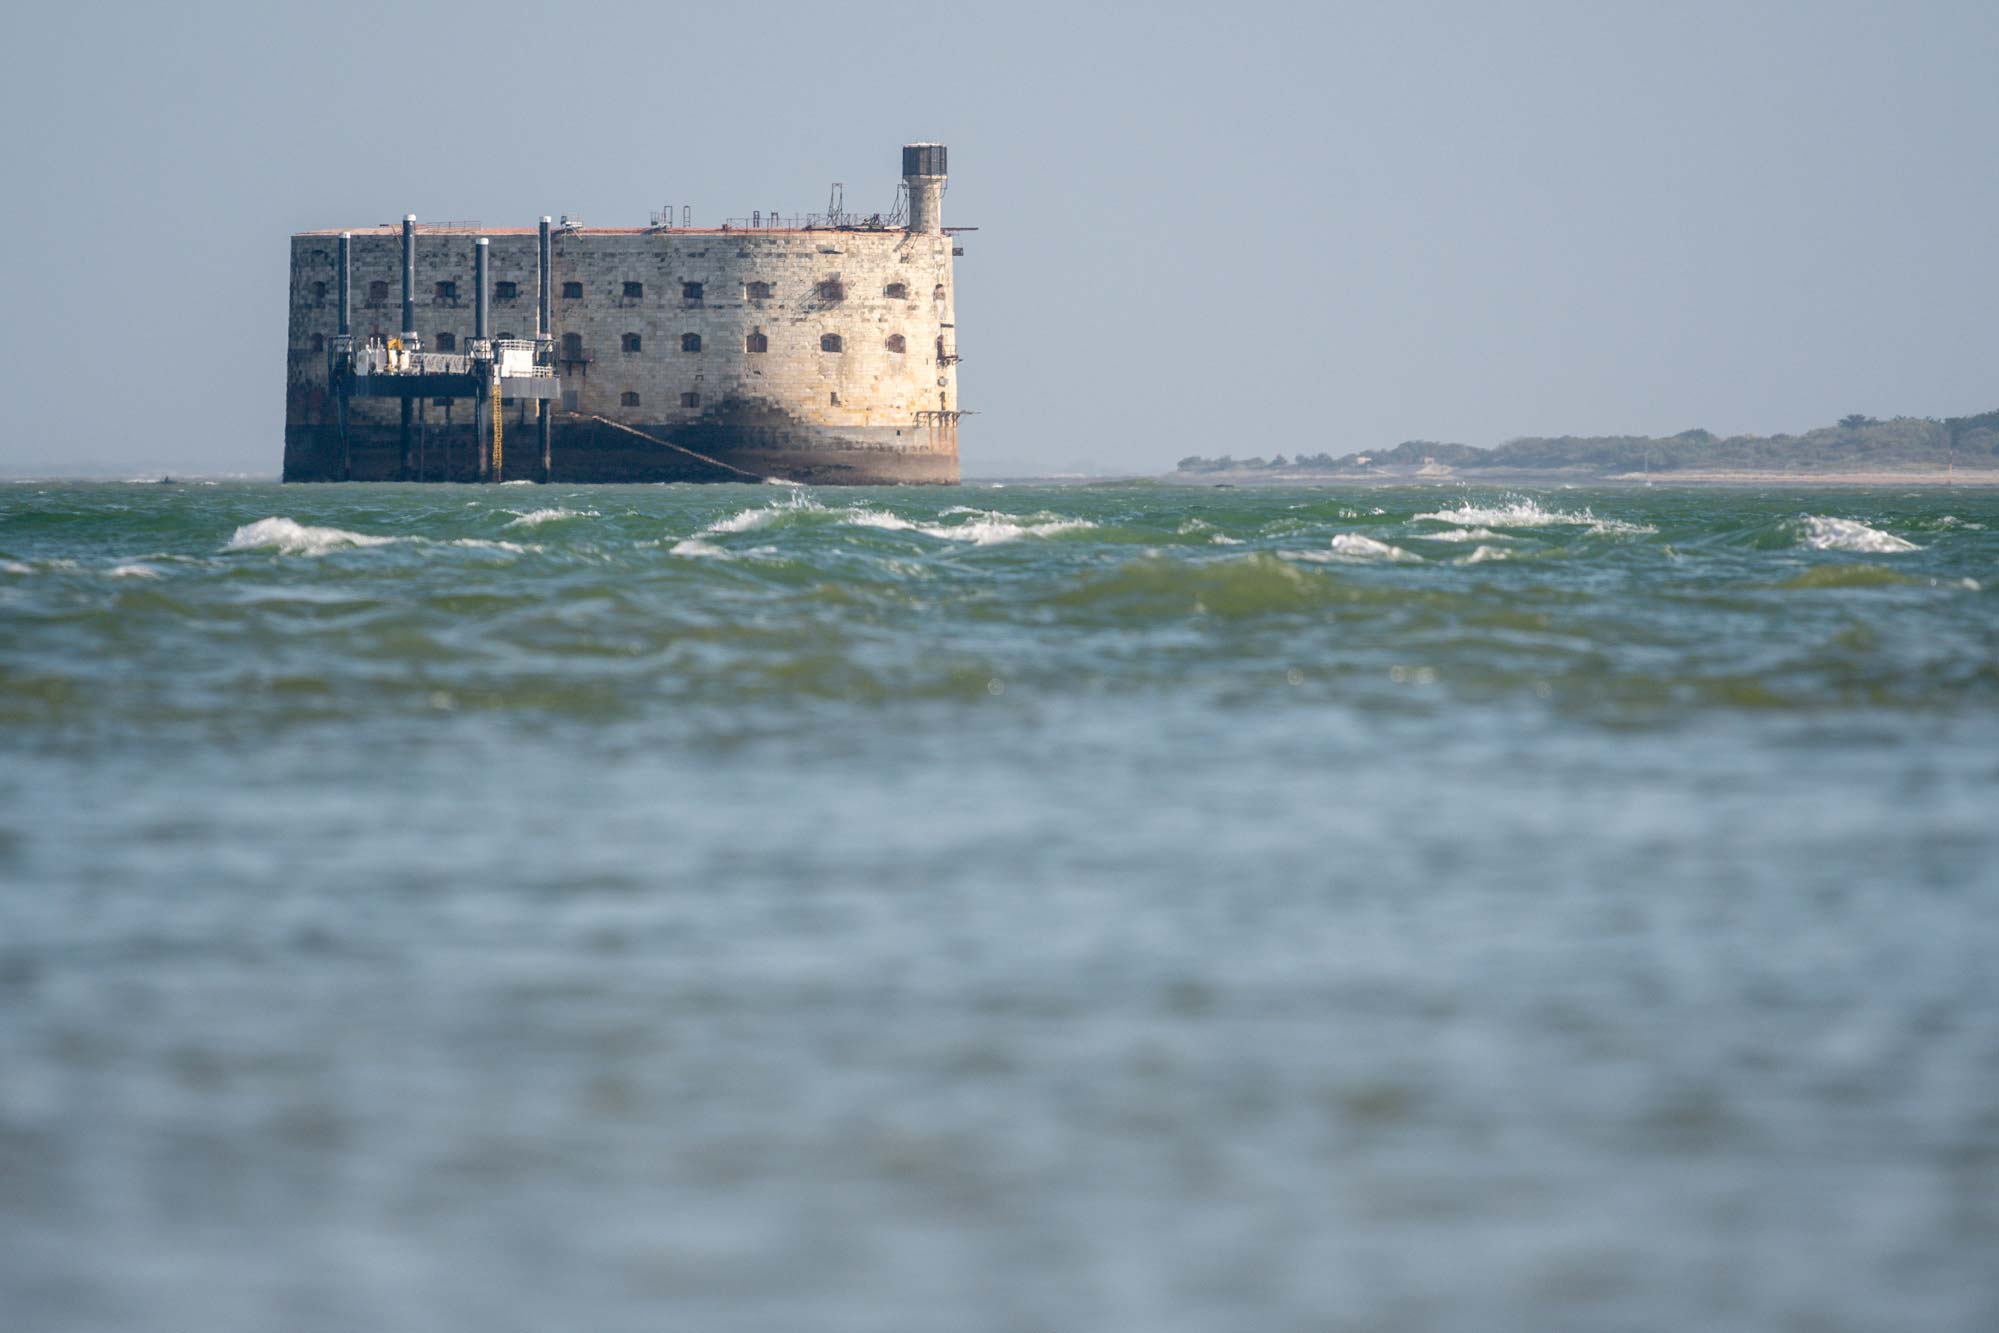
(820,349)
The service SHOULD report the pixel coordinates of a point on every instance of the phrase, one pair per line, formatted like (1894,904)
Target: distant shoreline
(1981,477)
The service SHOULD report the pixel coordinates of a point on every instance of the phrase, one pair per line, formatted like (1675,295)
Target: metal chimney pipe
(409,280)
(545,262)
(346,283)
(482,327)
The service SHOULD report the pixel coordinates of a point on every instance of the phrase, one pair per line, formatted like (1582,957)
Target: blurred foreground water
(1116,908)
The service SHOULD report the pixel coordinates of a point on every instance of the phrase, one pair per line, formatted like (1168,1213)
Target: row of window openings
(830,290)
(572,343)
(378,291)
(630,399)
(625,399)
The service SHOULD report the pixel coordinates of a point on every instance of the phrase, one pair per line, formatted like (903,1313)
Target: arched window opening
(628,399)
(572,347)
(506,291)
(378,292)
(690,400)
(635,291)
(630,342)
(756,342)
(447,342)
(831,342)
(690,342)
(319,291)
(447,293)
(832,290)
(938,294)
(896,291)
(318,342)
(572,291)
(757,291)
(896,343)
(690,293)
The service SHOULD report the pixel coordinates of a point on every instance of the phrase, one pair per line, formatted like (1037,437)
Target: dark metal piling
(544,419)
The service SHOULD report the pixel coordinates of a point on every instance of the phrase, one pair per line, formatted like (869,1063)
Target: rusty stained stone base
(589,451)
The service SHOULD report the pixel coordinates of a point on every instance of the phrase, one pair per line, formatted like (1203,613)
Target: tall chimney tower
(923,171)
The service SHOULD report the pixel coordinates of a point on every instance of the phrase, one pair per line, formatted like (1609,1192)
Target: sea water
(1124,907)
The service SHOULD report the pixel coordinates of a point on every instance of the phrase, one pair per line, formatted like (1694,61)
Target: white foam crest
(1481,554)
(1845,534)
(1222,539)
(1192,526)
(1523,512)
(1355,546)
(518,483)
(288,537)
(878,518)
(485,544)
(132,570)
(536,517)
(1466,535)
(748,520)
(992,528)
(15,567)
(694,546)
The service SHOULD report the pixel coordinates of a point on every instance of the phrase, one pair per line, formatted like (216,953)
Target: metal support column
(544,421)
(409,325)
(409,282)
(480,444)
(343,357)
(481,322)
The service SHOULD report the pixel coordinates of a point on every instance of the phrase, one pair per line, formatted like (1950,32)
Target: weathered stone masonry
(823,355)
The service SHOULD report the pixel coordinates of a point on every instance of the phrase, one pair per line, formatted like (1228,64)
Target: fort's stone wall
(627,305)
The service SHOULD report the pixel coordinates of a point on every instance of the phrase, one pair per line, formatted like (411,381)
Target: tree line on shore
(1857,443)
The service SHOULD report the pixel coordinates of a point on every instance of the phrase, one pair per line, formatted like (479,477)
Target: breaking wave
(485,544)
(287,537)
(1481,554)
(990,528)
(878,518)
(694,546)
(1466,535)
(1845,534)
(977,527)
(536,517)
(1354,546)
(1525,513)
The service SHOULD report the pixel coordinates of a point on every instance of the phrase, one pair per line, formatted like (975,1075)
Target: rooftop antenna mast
(836,203)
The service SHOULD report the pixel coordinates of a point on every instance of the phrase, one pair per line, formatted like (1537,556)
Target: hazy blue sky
(1220,228)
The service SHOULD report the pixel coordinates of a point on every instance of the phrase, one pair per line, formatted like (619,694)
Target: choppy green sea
(1128,907)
